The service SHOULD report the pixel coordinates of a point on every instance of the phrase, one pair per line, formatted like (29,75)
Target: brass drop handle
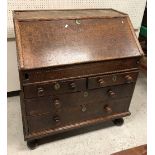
(56,118)
(57,103)
(73,85)
(128,78)
(108,109)
(101,82)
(83,108)
(111,93)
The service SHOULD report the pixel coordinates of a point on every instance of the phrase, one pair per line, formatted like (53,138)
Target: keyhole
(114,78)
(26,76)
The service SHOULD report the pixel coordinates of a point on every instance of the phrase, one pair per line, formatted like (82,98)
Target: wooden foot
(32,144)
(119,121)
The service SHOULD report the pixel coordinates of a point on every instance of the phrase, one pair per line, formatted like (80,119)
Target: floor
(102,140)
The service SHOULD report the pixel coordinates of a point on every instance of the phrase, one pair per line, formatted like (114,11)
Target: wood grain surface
(76,67)
(140,150)
(73,41)
(66,14)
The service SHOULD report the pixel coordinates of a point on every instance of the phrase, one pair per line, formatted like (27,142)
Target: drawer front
(57,87)
(78,70)
(65,102)
(38,106)
(76,115)
(112,79)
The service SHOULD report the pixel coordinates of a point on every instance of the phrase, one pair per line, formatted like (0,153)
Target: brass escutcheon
(40,92)
(56,86)
(114,78)
(85,94)
(77,21)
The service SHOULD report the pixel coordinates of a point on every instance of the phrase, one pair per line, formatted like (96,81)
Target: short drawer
(112,79)
(56,87)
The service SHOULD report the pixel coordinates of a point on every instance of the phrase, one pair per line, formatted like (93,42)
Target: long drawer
(78,70)
(76,114)
(70,101)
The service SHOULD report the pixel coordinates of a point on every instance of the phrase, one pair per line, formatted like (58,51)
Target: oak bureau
(76,68)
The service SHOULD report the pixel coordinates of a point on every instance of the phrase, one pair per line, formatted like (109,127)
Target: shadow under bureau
(76,67)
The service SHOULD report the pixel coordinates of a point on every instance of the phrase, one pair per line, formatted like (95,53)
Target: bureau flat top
(54,38)
(66,14)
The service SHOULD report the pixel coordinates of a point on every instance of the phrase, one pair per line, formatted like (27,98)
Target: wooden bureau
(76,68)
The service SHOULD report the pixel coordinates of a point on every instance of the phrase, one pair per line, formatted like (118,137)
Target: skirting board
(13,93)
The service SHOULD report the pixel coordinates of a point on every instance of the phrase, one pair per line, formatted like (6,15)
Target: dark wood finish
(65,116)
(47,104)
(140,150)
(76,68)
(93,37)
(98,37)
(56,87)
(45,133)
(80,70)
(32,144)
(66,14)
(118,121)
(112,79)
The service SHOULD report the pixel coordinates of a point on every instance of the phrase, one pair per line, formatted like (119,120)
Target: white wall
(12,71)
(135,8)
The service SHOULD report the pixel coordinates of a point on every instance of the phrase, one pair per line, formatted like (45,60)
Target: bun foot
(119,121)
(32,144)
